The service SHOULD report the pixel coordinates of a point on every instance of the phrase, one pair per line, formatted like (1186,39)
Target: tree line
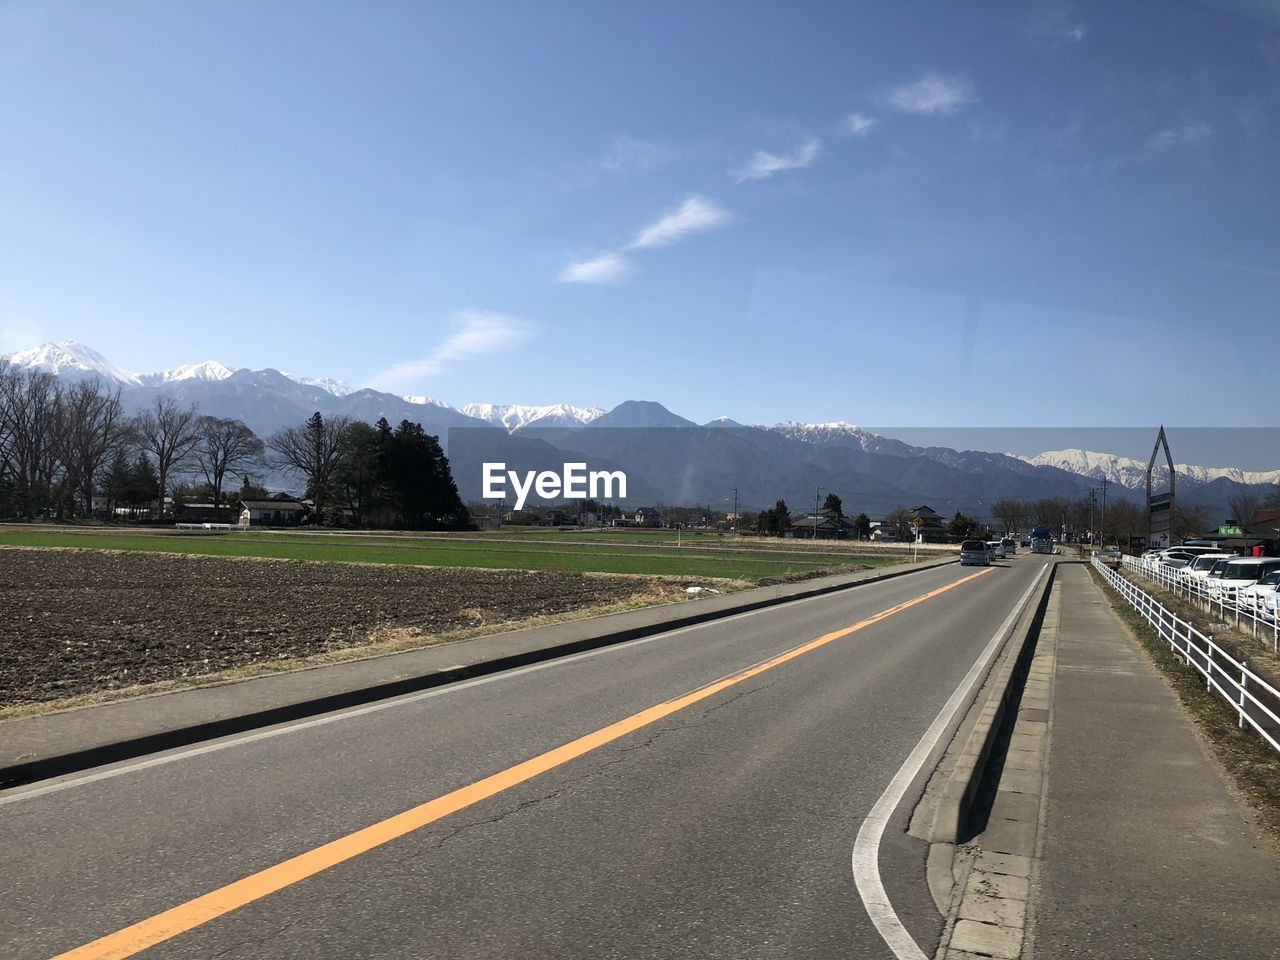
(1122,518)
(69,450)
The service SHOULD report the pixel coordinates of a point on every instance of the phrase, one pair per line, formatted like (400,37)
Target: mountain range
(667,458)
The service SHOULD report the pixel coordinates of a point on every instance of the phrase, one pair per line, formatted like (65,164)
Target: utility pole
(816,494)
(735,511)
(1102,535)
(1093,498)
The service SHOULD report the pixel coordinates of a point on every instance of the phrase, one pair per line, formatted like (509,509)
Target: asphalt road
(701,816)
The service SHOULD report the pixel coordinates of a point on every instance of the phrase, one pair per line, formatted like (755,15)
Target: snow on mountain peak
(820,431)
(71,357)
(425,401)
(208,370)
(514,417)
(1132,474)
(328,384)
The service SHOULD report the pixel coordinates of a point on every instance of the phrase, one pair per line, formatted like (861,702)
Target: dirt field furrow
(74,622)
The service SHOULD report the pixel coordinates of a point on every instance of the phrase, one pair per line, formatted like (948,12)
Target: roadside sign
(1230,530)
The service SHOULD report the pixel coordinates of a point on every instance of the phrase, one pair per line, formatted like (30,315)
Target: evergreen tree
(862,526)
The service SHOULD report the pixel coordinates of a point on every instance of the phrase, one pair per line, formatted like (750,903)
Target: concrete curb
(956,799)
(42,747)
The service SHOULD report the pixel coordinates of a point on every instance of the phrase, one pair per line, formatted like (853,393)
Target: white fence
(1255,701)
(1254,612)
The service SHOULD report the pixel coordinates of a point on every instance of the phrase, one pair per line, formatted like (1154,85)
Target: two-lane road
(694,794)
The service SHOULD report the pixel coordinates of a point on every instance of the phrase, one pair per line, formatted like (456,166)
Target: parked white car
(1182,556)
(1237,573)
(1199,568)
(1261,597)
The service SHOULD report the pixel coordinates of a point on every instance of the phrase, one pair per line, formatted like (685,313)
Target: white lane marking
(866,849)
(56,786)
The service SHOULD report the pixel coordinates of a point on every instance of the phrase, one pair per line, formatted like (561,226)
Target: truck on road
(1041,540)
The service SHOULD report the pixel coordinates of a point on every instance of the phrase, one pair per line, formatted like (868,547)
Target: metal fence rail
(1247,610)
(1255,701)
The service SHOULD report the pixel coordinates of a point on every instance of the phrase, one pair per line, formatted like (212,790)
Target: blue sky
(920,214)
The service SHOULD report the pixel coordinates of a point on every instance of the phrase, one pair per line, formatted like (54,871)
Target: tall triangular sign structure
(1160,506)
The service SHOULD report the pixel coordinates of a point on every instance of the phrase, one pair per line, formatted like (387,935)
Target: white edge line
(866,848)
(235,740)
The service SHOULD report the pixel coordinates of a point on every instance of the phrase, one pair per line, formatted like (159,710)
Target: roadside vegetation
(559,556)
(1252,764)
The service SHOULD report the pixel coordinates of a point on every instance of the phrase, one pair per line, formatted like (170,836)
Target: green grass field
(567,553)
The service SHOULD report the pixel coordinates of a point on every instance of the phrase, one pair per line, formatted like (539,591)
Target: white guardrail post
(1255,701)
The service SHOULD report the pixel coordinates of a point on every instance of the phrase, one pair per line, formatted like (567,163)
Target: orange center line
(194,913)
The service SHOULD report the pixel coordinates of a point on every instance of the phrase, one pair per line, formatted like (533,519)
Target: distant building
(278,511)
(930,526)
(646,517)
(201,513)
(824,525)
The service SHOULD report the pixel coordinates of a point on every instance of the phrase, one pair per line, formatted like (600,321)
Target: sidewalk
(1144,850)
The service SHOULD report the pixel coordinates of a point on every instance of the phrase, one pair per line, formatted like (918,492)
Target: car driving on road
(973,553)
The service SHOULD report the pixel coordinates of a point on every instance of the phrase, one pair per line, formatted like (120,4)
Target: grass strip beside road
(458,553)
(1252,764)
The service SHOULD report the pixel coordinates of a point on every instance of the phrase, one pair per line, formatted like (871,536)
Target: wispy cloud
(764,164)
(606,268)
(1056,24)
(475,333)
(695,215)
(1073,34)
(626,154)
(1184,135)
(857,124)
(933,95)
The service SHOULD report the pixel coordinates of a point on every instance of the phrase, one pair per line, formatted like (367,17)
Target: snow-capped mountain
(329,385)
(208,370)
(513,417)
(422,401)
(1132,474)
(824,433)
(69,358)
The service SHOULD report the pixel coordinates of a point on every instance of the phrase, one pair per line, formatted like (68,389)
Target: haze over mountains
(667,457)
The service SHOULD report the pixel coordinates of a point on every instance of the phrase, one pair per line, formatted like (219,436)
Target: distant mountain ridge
(1132,474)
(513,416)
(670,458)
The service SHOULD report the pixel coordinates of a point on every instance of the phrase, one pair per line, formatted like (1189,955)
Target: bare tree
(223,446)
(169,433)
(1188,521)
(1010,513)
(313,451)
(90,426)
(1243,504)
(28,402)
